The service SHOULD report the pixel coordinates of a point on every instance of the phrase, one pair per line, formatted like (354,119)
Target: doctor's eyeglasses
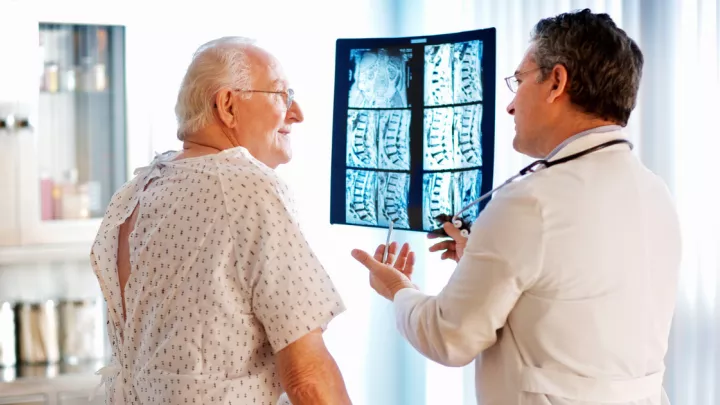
(289,95)
(513,82)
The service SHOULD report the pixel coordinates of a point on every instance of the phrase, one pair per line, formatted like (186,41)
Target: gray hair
(604,65)
(220,63)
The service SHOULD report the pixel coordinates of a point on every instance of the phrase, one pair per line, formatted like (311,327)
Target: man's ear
(224,107)
(558,80)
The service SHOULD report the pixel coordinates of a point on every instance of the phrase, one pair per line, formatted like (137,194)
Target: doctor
(565,289)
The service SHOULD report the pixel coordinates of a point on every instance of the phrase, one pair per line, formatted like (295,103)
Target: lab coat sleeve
(502,258)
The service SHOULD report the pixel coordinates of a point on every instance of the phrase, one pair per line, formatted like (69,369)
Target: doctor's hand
(454,248)
(388,278)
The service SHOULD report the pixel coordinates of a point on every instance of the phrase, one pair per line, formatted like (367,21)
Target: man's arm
(309,374)
(502,259)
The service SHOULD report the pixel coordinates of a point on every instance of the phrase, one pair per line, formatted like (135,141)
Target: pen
(387,242)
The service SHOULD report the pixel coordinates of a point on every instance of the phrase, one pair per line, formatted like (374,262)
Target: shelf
(60,92)
(31,254)
(50,379)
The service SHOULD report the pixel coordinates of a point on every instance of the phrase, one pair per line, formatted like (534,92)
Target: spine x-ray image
(361,197)
(438,139)
(379,78)
(438,75)
(448,193)
(362,146)
(467,186)
(394,136)
(452,73)
(466,136)
(467,82)
(393,196)
(378,139)
(437,197)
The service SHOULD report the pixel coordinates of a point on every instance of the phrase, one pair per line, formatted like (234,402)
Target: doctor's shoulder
(519,197)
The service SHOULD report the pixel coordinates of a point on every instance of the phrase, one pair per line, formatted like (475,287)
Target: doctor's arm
(502,259)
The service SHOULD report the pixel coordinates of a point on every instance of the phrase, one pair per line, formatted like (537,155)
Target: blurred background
(87,91)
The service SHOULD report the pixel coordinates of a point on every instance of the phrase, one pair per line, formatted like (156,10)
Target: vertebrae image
(394,189)
(361,196)
(447,193)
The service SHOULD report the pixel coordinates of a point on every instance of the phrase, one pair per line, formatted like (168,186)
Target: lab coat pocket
(553,387)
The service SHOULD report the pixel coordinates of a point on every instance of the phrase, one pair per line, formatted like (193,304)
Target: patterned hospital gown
(222,278)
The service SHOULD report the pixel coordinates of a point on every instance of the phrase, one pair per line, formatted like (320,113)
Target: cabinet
(63,120)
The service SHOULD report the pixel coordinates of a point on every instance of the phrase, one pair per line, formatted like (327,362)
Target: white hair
(220,63)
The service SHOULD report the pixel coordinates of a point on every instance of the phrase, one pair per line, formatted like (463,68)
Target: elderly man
(213,294)
(566,284)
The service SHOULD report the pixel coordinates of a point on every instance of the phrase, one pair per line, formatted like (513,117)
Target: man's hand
(388,278)
(453,249)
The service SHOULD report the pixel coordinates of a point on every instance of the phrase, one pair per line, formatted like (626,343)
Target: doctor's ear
(558,79)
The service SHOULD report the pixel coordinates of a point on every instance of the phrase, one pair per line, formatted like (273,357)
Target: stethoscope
(529,169)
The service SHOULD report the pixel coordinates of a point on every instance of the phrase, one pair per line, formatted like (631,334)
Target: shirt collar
(584,134)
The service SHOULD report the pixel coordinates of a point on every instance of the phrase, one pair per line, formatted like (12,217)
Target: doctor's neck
(569,126)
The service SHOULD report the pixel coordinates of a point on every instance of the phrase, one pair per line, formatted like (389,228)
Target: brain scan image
(438,75)
(393,199)
(394,139)
(361,191)
(438,139)
(467,186)
(379,78)
(467,84)
(362,146)
(466,136)
(437,198)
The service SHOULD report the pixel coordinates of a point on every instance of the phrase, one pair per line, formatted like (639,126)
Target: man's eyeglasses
(289,94)
(513,82)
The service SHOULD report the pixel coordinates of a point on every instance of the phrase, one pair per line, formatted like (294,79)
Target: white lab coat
(566,290)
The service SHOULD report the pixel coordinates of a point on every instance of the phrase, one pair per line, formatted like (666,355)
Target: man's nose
(511,107)
(295,113)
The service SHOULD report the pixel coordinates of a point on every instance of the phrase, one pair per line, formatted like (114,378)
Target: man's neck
(570,129)
(210,137)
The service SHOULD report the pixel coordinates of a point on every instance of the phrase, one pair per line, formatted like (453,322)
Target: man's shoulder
(245,179)
(238,169)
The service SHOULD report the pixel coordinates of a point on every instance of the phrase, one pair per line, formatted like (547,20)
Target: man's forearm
(309,374)
(319,384)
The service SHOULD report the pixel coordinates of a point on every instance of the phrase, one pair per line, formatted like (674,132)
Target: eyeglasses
(513,82)
(289,94)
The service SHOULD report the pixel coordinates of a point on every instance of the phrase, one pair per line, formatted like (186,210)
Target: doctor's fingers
(402,258)
(453,232)
(375,266)
(444,245)
(408,265)
(449,254)
(391,251)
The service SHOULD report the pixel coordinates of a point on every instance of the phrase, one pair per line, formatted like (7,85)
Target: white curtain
(676,134)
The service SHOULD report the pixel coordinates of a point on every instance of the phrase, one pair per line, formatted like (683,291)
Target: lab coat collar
(588,139)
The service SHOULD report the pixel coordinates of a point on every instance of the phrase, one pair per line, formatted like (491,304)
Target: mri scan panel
(394,139)
(379,78)
(393,198)
(466,72)
(361,197)
(466,136)
(438,74)
(467,186)
(437,198)
(438,139)
(362,139)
